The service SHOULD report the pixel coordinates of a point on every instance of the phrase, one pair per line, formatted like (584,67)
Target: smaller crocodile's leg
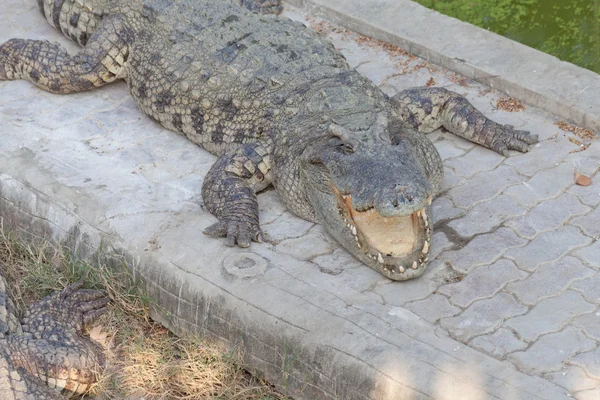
(229,192)
(50,67)
(52,347)
(426,109)
(261,6)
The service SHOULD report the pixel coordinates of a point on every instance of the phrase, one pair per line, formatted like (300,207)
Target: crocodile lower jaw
(397,247)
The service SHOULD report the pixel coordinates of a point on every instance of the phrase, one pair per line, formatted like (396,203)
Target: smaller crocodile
(45,353)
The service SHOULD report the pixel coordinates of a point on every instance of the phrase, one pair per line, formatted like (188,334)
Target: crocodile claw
(508,138)
(240,232)
(72,309)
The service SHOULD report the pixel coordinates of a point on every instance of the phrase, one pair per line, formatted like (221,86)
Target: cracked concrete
(508,309)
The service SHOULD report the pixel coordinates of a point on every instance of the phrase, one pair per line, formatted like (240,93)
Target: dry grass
(145,361)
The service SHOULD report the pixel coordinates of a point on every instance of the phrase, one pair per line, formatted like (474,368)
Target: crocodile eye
(346,148)
(343,146)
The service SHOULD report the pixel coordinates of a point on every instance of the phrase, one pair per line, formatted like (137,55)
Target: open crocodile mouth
(397,244)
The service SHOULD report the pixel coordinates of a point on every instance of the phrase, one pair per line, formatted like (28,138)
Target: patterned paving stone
(499,343)
(443,208)
(549,315)
(475,161)
(488,215)
(549,280)
(549,246)
(573,379)
(482,250)
(551,351)
(451,180)
(543,185)
(482,282)
(433,308)
(590,324)
(549,154)
(591,255)
(400,293)
(485,186)
(448,149)
(547,216)
(287,226)
(315,243)
(439,243)
(337,262)
(589,195)
(590,362)
(590,288)
(482,317)
(589,223)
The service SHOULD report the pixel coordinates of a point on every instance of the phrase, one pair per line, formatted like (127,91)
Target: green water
(568,29)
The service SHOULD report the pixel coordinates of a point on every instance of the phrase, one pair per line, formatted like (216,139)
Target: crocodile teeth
(429,200)
(358,244)
(353,230)
(379,258)
(401,269)
(414,266)
(426,247)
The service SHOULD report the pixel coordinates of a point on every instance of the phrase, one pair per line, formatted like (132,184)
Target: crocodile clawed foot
(72,309)
(263,6)
(508,138)
(235,231)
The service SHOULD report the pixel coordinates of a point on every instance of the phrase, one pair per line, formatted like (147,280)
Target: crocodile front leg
(229,192)
(52,347)
(50,67)
(427,109)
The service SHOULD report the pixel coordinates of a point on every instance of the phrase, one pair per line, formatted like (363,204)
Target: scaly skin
(279,105)
(45,353)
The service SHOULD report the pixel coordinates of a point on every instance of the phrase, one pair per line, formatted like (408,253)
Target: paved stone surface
(484,217)
(550,315)
(549,280)
(590,362)
(499,343)
(573,379)
(549,246)
(547,216)
(483,317)
(545,184)
(482,282)
(483,250)
(590,324)
(514,264)
(476,190)
(589,223)
(591,255)
(551,352)
(433,308)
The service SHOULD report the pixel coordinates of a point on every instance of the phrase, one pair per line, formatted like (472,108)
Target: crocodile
(278,105)
(45,353)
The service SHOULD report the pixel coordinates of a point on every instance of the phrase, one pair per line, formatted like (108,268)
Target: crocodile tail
(74,18)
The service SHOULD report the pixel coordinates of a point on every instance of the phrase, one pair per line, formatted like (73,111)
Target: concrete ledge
(536,78)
